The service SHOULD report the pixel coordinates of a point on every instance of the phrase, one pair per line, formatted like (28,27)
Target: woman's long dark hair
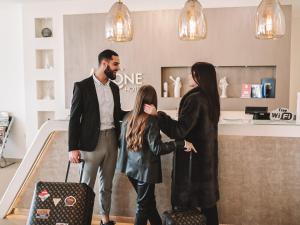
(204,74)
(138,118)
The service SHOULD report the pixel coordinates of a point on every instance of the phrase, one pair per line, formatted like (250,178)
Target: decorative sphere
(46,32)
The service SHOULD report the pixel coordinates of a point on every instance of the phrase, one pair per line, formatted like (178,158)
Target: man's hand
(74,156)
(150,109)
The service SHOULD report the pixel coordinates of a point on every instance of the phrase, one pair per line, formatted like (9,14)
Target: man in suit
(94,127)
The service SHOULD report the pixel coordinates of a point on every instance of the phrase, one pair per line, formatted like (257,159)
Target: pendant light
(270,20)
(192,23)
(118,25)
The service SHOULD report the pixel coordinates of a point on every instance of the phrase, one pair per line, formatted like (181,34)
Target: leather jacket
(145,165)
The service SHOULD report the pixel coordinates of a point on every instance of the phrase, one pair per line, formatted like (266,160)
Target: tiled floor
(16,222)
(7,222)
(21,222)
(6,175)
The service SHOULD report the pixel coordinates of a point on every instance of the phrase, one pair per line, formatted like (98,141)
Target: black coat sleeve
(187,119)
(75,118)
(155,143)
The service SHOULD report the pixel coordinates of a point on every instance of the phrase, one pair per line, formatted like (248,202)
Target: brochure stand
(3,139)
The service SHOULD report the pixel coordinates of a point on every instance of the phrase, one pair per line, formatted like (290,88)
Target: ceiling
(205,3)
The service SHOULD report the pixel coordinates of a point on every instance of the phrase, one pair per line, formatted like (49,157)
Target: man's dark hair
(106,54)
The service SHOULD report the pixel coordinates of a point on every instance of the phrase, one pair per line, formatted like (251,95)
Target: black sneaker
(108,223)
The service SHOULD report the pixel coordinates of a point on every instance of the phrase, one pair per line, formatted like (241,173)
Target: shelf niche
(43,116)
(182,72)
(44,59)
(45,90)
(40,24)
(236,76)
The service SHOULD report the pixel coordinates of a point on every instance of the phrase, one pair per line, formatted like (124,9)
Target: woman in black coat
(197,123)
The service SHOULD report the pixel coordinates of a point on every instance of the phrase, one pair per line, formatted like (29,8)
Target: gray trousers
(103,160)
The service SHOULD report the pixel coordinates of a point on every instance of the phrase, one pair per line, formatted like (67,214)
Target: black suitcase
(58,203)
(183,217)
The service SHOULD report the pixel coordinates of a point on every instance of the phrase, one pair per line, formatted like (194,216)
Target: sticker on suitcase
(70,201)
(42,213)
(43,195)
(56,201)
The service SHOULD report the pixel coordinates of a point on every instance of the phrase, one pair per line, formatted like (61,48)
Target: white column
(295,55)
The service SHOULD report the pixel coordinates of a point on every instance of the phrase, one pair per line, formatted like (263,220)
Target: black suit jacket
(84,125)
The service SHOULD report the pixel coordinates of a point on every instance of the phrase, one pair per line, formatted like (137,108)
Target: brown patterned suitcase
(183,217)
(62,203)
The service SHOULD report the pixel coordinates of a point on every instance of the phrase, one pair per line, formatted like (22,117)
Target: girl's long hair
(204,74)
(138,118)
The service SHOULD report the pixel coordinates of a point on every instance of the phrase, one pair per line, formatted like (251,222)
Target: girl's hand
(150,109)
(189,147)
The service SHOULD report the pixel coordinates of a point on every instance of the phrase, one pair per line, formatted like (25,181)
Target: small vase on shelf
(165,89)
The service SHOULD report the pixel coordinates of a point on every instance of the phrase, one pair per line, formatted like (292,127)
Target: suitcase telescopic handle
(81,172)
(190,169)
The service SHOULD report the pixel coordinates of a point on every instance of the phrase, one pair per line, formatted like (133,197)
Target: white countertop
(260,129)
(239,124)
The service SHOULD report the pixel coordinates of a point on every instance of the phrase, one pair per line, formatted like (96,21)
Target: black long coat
(195,126)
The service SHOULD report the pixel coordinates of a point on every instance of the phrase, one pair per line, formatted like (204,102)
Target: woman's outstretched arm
(155,143)
(188,118)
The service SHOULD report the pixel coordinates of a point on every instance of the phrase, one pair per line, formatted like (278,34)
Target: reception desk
(259,174)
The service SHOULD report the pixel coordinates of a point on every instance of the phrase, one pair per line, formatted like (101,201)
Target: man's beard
(109,73)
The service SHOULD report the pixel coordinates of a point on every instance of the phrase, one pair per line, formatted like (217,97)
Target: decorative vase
(165,90)
(46,32)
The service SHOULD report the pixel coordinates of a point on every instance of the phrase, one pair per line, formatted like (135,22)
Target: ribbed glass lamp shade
(192,23)
(118,24)
(270,20)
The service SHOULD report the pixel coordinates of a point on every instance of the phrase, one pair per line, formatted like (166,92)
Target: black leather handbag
(62,203)
(184,216)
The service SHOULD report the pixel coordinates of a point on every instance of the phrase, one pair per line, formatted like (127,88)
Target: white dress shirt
(106,104)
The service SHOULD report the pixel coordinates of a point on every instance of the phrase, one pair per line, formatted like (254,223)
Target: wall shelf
(45,105)
(43,116)
(40,24)
(45,90)
(181,72)
(236,76)
(44,59)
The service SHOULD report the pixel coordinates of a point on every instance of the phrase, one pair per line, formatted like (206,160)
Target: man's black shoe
(108,223)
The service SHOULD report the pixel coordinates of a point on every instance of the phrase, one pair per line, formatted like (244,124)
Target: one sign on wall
(129,82)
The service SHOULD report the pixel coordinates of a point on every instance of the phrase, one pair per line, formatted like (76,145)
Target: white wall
(295,55)
(12,81)
(12,75)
